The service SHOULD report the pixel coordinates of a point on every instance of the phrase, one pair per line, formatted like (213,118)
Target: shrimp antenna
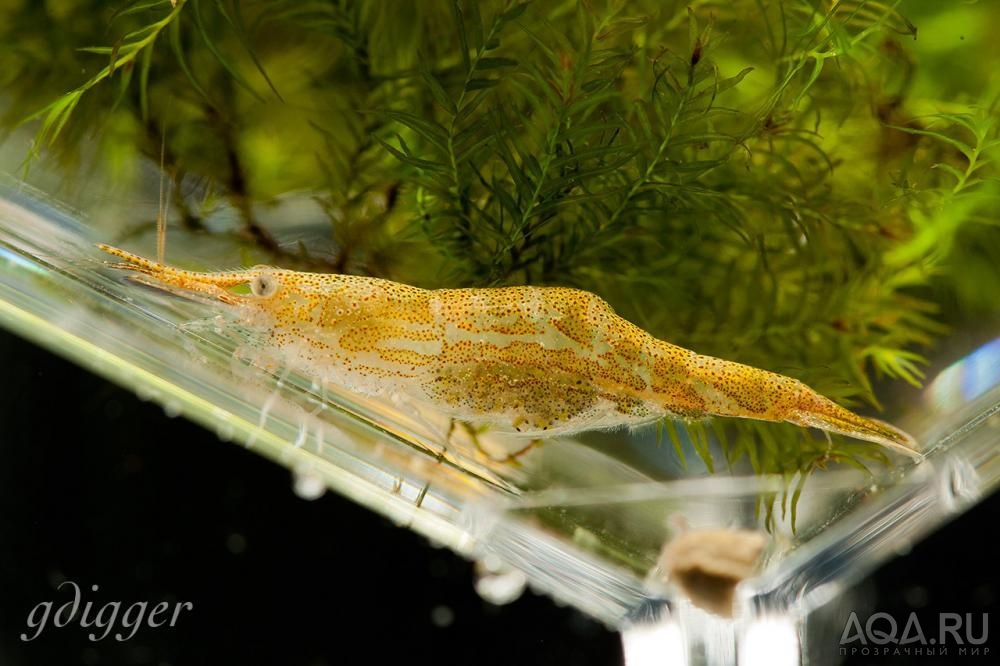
(161,212)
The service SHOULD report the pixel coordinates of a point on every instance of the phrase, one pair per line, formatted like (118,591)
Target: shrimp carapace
(540,361)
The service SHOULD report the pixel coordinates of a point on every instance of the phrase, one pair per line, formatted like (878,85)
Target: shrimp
(534,361)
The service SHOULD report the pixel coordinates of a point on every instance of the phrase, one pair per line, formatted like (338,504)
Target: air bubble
(442,616)
(308,485)
(497,584)
(225,431)
(236,543)
(145,393)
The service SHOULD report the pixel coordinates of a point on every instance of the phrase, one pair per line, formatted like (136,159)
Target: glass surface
(584,519)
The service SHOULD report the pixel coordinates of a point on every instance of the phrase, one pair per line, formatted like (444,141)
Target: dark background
(100,488)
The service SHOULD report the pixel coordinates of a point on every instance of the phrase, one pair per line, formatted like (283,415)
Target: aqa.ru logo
(881,629)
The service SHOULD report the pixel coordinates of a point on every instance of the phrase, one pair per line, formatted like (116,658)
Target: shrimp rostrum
(539,361)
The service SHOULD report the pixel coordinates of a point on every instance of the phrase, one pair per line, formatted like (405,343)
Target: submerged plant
(755,180)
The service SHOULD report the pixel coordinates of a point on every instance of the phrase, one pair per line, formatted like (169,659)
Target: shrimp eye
(264,285)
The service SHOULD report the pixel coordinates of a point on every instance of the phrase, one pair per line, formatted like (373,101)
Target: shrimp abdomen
(816,411)
(707,386)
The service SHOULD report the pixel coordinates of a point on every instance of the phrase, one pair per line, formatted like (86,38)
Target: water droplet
(491,563)
(225,431)
(442,616)
(497,585)
(236,543)
(308,484)
(145,393)
(172,408)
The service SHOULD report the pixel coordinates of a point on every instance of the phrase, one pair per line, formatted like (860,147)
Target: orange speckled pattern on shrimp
(541,361)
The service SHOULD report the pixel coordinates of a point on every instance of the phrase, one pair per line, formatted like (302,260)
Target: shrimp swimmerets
(539,361)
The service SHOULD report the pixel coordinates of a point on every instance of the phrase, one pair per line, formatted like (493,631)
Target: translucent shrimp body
(541,361)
